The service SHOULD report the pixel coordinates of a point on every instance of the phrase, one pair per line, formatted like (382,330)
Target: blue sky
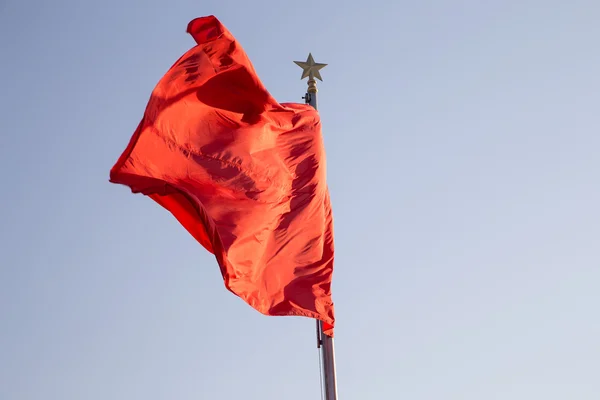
(462,141)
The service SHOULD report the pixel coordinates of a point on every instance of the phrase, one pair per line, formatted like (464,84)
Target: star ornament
(310,68)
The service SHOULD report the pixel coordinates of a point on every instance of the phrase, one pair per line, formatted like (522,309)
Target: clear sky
(463,143)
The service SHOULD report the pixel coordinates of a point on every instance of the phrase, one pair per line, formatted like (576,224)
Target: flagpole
(325,343)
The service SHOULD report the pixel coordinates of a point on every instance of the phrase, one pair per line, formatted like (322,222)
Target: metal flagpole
(311,69)
(325,343)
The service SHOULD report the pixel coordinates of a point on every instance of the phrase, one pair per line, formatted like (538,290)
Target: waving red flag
(244,174)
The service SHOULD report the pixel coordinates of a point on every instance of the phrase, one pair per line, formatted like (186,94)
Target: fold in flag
(242,173)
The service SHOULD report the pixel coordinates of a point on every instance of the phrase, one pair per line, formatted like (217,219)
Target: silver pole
(328,360)
(311,69)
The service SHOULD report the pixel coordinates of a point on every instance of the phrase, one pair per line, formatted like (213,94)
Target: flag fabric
(242,173)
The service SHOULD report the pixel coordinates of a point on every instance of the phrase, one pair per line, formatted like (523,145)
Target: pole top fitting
(310,69)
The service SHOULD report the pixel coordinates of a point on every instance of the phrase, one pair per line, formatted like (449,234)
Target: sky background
(463,143)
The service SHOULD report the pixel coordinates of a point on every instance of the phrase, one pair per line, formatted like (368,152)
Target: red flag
(244,174)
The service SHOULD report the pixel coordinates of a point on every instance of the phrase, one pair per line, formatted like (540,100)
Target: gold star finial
(310,68)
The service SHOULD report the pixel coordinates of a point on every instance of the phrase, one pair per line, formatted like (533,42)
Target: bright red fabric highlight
(244,174)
